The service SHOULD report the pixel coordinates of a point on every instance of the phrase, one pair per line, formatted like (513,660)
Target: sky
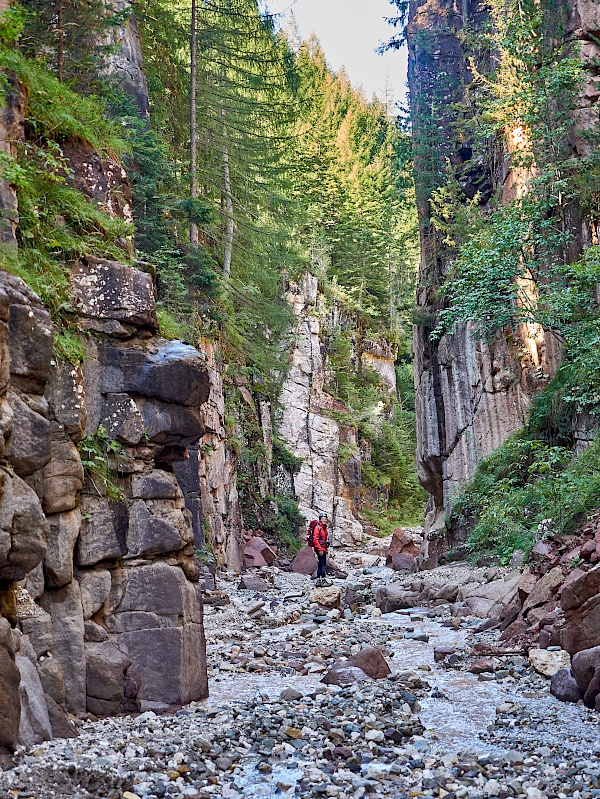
(350,31)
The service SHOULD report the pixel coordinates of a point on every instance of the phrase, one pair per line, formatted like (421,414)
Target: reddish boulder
(586,670)
(526,584)
(401,543)
(579,590)
(253,559)
(305,561)
(441,653)
(256,548)
(544,589)
(343,673)
(372,662)
(588,549)
(251,582)
(403,561)
(481,665)
(541,551)
(564,686)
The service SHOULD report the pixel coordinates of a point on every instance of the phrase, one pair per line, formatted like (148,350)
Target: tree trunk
(193,133)
(228,208)
(60,66)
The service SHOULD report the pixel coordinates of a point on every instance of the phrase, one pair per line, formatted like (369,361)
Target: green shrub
(522,484)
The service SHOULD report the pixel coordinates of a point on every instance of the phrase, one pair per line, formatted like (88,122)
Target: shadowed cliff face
(471,394)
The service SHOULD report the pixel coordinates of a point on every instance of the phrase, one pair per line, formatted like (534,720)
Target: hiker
(317,539)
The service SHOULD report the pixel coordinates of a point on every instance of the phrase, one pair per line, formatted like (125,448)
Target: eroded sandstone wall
(471,394)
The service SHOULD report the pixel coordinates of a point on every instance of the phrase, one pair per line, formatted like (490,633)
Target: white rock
(548,663)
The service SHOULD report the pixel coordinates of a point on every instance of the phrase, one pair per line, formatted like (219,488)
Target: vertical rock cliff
(329,480)
(471,394)
(100,599)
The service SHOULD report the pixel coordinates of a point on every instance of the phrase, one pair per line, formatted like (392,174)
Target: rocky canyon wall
(471,394)
(326,481)
(100,596)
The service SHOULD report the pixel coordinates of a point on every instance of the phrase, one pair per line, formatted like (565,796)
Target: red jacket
(320,538)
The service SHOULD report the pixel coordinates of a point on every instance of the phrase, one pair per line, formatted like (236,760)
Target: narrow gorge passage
(272,728)
(248,282)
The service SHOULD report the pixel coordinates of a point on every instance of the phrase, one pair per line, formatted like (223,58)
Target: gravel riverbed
(272,728)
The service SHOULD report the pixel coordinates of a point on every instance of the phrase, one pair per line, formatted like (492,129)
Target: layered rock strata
(471,394)
(108,613)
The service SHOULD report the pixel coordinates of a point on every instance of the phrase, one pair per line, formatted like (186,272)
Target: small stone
(290,695)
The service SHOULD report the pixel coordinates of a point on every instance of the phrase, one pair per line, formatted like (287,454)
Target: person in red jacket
(320,545)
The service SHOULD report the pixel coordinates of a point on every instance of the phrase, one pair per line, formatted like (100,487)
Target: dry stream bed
(271,728)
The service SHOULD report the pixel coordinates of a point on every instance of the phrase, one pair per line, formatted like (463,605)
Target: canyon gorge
(191,370)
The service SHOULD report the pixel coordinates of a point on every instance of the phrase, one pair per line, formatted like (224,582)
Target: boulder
(111,290)
(258,545)
(35,724)
(389,598)
(343,673)
(10,706)
(29,445)
(544,589)
(401,542)
(305,562)
(564,686)
(492,598)
(106,668)
(103,532)
(58,562)
(588,549)
(64,607)
(481,666)
(405,562)
(549,662)
(448,592)
(541,551)
(581,629)
(580,590)
(526,584)
(157,615)
(327,597)
(63,476)
(372,662)
(586,670)
(250,582)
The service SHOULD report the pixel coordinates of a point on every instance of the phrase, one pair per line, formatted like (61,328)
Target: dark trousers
(322,567)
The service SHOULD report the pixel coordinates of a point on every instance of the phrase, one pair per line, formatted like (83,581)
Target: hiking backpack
(310,538)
